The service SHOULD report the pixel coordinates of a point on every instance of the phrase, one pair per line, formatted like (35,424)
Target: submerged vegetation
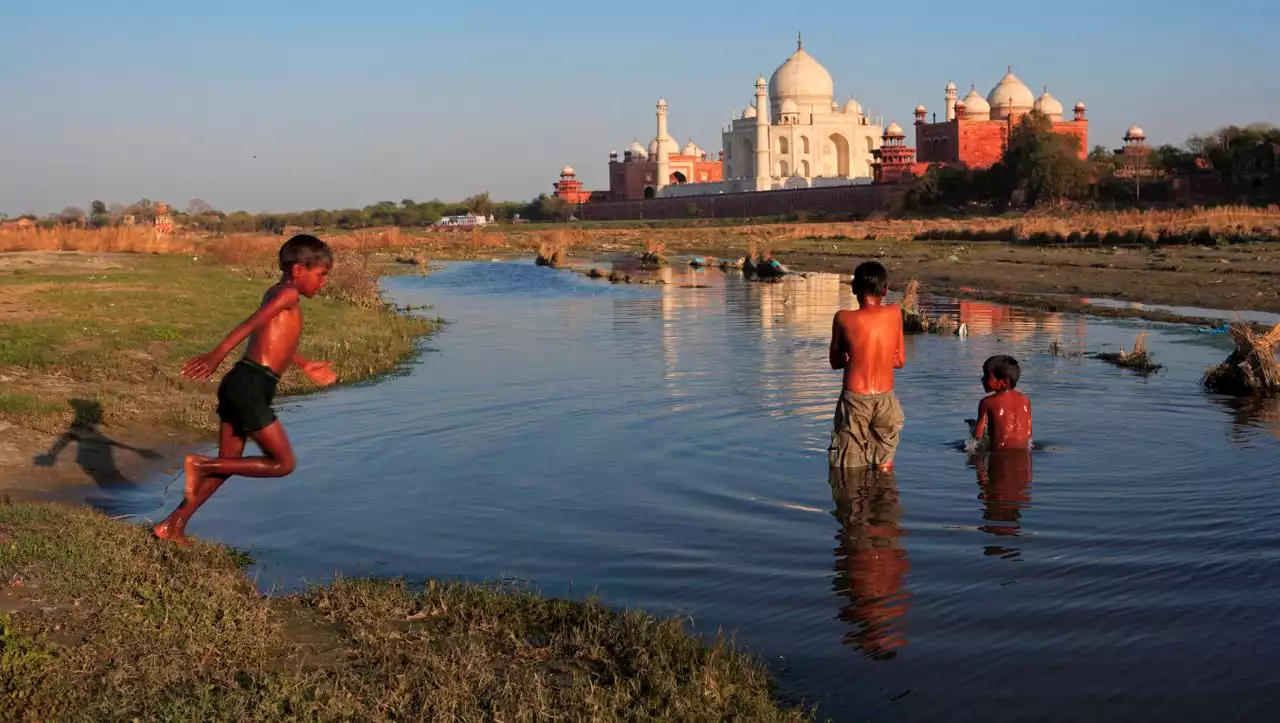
(1251,369)
(99,621)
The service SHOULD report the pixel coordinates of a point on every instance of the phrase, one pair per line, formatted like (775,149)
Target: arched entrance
(841,145)
(649,192)
(677,178)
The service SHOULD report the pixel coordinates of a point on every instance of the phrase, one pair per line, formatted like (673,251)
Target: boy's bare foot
(166,531)
(193,477)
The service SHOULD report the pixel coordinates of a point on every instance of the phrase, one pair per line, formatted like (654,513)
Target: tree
(552,208)
(1039,165)
(98,216)
(1103,160)
(479,204)
(71,214)
(1170,159)
(97,207)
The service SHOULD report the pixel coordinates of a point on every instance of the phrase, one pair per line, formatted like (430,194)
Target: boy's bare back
(868,345)
(1007,418)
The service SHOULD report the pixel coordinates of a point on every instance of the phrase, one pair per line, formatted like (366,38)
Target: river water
(664,447)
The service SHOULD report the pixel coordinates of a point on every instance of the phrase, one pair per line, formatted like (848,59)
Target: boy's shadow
(95,454)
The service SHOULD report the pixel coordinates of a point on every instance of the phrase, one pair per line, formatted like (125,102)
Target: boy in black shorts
(247,391)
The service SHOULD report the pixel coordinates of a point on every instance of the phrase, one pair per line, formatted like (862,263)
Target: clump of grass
(914,320)
(111,624)
(554,252)
(655,254)
(1058,349)
(1251,369)
(1138,359)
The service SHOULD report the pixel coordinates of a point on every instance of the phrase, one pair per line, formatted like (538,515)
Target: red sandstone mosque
(795,135)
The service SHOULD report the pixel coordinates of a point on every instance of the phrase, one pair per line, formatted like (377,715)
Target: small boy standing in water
(1006,414)
(867,343)
(247,391)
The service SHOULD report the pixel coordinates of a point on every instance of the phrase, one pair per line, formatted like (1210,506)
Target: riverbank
(92,344)
(100,621)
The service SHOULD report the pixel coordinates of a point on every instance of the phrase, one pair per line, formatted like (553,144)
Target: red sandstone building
(570,188)
(976,129)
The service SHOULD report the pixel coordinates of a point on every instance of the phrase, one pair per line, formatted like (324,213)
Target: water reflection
(1004,488)
(1250,416)
(871,563)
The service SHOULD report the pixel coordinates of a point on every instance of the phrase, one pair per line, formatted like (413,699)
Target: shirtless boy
(1006,414)
(247,391)
(867,343)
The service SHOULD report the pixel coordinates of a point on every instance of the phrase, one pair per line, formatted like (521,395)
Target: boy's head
(306,260)
(1000,373)
(871,278)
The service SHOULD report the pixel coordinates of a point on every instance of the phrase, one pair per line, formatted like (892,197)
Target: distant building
(570,188)
(975,130)
(464,221)
(1134,157)
(18,224)
(895,161)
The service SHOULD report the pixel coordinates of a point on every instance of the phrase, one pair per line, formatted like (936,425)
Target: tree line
(1041,167)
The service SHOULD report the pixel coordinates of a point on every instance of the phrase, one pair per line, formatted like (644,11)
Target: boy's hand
(320,372)
(200,368)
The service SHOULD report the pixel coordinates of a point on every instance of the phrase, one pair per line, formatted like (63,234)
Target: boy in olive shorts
(247,391)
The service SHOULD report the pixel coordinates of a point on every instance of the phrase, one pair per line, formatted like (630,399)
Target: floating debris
(913,320)
(1251,369)
(551,254)
(1056,348)
(1138,359)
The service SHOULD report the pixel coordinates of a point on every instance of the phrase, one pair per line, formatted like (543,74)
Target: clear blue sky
(350,103)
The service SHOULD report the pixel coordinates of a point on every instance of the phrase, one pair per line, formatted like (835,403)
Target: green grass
(111,624)
(121,335)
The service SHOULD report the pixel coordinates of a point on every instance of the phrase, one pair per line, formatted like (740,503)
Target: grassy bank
(98,621)
(104,337)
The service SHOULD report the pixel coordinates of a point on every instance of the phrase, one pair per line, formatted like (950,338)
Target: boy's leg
(850,435)
(885,427)
(199,486)
(277,458)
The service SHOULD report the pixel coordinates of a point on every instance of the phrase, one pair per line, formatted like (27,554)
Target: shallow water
(664,447)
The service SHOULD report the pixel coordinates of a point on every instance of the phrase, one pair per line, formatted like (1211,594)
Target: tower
(951,100)
(763,167)
(664,169)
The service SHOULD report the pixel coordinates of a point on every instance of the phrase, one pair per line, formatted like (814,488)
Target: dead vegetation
(1251,369)
(655,255)
(1139,358)
(553,252)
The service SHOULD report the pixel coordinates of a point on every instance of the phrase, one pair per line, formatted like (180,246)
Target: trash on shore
(1251,369)
(1138,359)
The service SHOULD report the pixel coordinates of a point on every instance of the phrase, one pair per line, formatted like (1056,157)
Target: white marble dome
(801,79)
(1135,133)
(894,131)
(636,149)
(749,112)
(566,171)
(1049,105)
(853,107)
(975,106)
(789,106)
(1010,96)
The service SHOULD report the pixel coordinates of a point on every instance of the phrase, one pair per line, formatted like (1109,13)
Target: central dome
(803,80)
(1010,97)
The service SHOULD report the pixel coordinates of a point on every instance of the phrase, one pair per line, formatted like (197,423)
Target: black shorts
(245,396)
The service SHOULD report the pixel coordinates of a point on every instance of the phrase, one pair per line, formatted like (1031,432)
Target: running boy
(867,343)
(1006,414)
(246,392)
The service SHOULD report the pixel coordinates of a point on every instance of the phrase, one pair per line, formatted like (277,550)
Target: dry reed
(1251,369)
(1138,359)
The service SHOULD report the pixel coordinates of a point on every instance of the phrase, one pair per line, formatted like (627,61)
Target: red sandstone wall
(982,142)
(937,143)
(859,200)
(1079,129)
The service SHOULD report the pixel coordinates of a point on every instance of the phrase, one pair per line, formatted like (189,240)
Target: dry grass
(119,239)
(1251,369)
(1205,227)
(1139,358)
(103,622)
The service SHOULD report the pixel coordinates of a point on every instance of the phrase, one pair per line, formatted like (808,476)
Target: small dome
(894,131)
(920,109)
(566,171)
(1080,106)
(1134,133)
(1010,96)
(749,112)
(691,149)
(951,85)
(653,147)
(835,107)
(636,149)
(853,107)
(975,106)
(1049,105)
(788,106)
(761,81)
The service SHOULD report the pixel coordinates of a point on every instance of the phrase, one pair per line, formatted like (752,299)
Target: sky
(272,106)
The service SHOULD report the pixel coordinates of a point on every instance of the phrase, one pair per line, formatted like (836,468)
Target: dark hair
(871,278)
(304,249)
(1003,367)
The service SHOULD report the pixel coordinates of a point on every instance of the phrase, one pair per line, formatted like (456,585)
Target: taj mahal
(795,135)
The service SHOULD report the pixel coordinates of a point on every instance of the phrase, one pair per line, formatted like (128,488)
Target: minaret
(951,100)
(763,167)
(664,169)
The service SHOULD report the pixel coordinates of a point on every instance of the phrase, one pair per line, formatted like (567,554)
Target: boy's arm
(900,355)
(981,426)
(838,356)
(201,367)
